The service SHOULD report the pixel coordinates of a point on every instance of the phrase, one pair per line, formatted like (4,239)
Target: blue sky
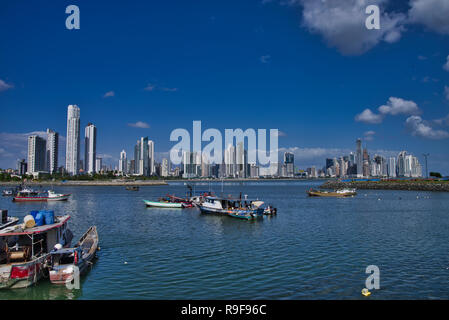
(308,68)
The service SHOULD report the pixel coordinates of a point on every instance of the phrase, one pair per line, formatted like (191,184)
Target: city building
(36,154)
(98,165)
(73,140)
(52,151)
(289,162)
(123,163)
(165,168)
(151,167)
(359,158)
(21,167)
(90,147)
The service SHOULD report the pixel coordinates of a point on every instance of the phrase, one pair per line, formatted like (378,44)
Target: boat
(132,188)
(63,260)
(270,211)
(162,204)
(50,195)
(7,221)
(237,208)
(7,192)
(24,252)
(341,193)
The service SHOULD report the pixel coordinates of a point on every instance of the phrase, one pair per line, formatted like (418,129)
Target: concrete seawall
(390,185)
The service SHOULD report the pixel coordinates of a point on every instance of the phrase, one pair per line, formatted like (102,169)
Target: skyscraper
(52,151)
(123,163)
(73,140)
(392,167)
(36,154)
(90,148)
(98,165)
(165,169)
(289,162)
(151,168)
(359,158)
(229,159)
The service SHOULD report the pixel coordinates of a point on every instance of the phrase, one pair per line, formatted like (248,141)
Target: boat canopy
(61,220)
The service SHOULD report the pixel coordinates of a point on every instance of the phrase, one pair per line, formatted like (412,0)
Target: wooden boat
(236,208)
(162,204)
(49,196)
(132,188)
(7,192)
(63,261)
(270,211)
(342,193)
(24,252)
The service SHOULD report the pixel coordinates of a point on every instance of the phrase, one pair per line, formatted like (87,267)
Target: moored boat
(50,195)
(7,192)
(64,261)
(132,188)
(341,193)
(25,248)
(7,221)
(162,204)
(236,208)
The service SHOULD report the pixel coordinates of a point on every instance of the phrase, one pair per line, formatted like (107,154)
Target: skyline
(270,68)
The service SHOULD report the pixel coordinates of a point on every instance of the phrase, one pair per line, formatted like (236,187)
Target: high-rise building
(98,165)
(289,162)
(36,154)
(90,147)
(358,157)
(144,169)
(21,167)
(151,167)
(391,168)
(229,160)
(191,162)
(122,163)
(401,164)
(73,140)
(254,170)
(165,168)
(52,151)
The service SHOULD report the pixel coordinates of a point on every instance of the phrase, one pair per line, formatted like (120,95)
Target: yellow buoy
(365,292)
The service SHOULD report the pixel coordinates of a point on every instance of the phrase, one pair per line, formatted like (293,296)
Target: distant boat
(49,196)
(341,193)
(63,260)
(132,188)
(7,192)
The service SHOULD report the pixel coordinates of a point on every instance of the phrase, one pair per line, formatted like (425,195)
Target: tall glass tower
(72,156)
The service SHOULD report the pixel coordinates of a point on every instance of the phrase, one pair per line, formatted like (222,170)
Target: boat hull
(35,271)
(40,199)
(157,204)
(331,194)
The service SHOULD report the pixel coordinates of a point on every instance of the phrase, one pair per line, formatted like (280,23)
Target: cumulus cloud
(139,124)
(109,94)
(446,65)
(419,127)
(431,13)
(342,24)
(5,86)
(394,106)
(397,106)
(367,116)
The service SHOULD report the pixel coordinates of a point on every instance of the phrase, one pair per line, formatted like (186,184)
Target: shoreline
(389,185)
(74,183)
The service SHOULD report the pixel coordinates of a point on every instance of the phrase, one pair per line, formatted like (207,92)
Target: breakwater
(390,185)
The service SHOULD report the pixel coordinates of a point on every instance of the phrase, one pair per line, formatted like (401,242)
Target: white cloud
(442,122)
(419,127)
(446,65)
(5,86)
(369,135)
(367,116)
(153,87)
(139,124)
(109,94)
(431,13)
(265,58)
(342,24)
(397,106)
(149,87)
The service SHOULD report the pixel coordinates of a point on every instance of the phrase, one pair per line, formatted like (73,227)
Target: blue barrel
(40,219)
(49,217)
(34,213)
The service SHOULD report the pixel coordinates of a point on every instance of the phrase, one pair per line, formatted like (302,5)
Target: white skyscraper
(165,168)
(229,159)
(72,158)
(152,169)
(90,148)
(52,151)
(392,167)
(36,154)
(122,163)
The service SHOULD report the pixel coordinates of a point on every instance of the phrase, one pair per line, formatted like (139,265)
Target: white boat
(161,204)
(52,196)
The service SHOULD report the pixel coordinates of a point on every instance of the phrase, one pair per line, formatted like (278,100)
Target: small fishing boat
(64,260)
(132,188)
(7,192)
(236,208)
(270,211)
(50,195)
(25,248)
(162,204)
(341,193)
(7,221)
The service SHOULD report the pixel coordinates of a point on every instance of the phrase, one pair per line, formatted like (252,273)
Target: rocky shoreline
(108,183)
(441,186)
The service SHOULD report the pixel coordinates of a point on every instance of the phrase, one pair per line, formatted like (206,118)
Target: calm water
(315,248)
